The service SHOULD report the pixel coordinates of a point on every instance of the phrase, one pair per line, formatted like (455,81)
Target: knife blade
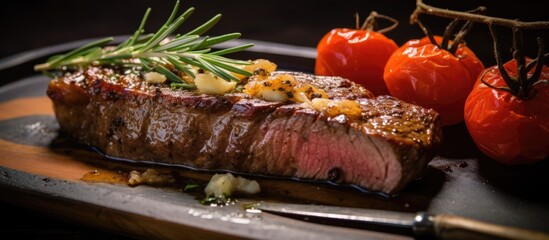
(421,224)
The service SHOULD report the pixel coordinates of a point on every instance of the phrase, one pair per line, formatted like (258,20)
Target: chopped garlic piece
(310,92)
(226,185)
(263,68)
(283,87)
(209,84)
(332,108)
(154,77)
(149,177)
(276,89)
(272,95)
(302,98)
(247,186)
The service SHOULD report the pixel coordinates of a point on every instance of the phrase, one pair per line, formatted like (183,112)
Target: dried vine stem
(520,85)
(460,35)
(424,8)
(370,23)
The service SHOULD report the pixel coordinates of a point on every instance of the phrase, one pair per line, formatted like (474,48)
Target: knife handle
(455,227)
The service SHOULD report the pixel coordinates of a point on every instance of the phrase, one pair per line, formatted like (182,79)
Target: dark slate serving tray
(460,180)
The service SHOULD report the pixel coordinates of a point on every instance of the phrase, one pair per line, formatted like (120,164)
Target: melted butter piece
(104,176)
(150,177)
(333,108)
(283,88)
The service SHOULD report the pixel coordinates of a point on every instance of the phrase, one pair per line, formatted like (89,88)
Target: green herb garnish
(155,52)
(190,187)
(218,201)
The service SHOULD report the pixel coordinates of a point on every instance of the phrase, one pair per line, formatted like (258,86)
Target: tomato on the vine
(423,73)
(356,54)
(505,127)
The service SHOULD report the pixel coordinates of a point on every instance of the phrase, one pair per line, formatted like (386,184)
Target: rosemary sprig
(155,52)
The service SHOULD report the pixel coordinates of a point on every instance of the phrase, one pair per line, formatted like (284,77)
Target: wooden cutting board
(42,169)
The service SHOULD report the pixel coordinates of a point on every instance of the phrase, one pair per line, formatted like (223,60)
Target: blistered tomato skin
(421,73)
(358,55)
(504,127)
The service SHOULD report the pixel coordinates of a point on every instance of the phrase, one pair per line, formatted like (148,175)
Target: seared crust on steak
(120,114)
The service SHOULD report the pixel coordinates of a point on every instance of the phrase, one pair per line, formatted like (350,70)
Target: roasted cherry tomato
(358,55)
(420,72)
(505,127)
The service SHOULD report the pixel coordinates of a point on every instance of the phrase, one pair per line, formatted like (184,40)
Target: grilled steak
(120,114)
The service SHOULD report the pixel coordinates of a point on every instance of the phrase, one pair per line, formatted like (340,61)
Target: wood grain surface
(33,159)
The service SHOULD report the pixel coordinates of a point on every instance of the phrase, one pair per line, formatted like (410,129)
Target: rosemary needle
(157,51)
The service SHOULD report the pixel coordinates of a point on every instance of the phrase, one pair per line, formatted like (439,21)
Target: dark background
(29,25)
(26,26)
